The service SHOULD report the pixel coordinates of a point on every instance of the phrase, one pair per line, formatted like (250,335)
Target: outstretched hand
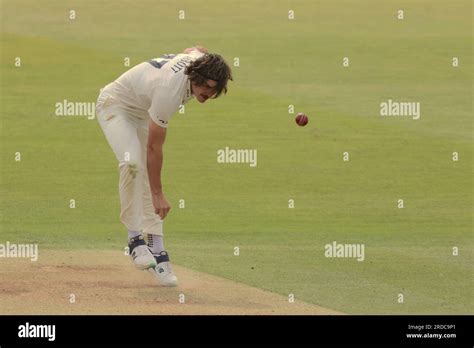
(162,207)
(199,48)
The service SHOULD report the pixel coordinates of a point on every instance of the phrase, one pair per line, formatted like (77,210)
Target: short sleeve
(163,105)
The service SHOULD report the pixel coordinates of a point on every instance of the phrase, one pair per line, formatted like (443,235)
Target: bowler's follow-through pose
(134,112)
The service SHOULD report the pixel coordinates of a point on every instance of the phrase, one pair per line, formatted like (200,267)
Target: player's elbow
(154,147)
(156,137)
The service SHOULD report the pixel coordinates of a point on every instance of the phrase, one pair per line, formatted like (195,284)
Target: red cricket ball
(301,119)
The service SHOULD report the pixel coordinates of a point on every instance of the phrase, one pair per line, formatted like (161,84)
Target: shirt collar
(188,92)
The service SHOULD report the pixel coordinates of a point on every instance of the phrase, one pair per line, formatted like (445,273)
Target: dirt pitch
(112,285)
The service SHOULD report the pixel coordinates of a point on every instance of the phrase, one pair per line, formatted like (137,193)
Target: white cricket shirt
(155,88)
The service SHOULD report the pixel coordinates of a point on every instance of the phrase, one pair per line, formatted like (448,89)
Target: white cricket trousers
(127,136)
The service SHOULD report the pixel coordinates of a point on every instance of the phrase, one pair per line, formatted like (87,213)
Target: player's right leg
(121,134)
(153,225)
(140,253)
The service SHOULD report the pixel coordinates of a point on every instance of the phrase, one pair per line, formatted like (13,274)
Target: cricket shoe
(140,254)
(163,271)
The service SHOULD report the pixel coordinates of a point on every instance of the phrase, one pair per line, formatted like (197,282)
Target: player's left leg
(153,225)
(121,134)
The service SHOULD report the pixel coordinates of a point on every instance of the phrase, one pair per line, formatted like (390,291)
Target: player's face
(205,91)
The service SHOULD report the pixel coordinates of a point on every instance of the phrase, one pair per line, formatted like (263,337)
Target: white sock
(133,234)
(155,242)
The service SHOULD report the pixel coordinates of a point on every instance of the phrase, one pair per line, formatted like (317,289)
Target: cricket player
(134,112)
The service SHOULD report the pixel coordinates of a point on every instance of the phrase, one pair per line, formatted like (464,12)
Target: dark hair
(210,67)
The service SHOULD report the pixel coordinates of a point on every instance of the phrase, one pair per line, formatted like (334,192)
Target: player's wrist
(158,193)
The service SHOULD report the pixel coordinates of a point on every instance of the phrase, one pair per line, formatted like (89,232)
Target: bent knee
(132,168)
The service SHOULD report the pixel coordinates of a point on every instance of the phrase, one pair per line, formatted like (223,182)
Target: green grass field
(282,62)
